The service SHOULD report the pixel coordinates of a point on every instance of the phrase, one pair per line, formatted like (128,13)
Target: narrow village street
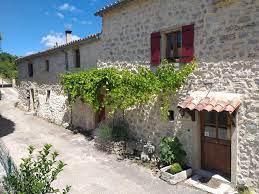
(88,170)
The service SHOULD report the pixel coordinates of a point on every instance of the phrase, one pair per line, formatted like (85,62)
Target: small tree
(36,174)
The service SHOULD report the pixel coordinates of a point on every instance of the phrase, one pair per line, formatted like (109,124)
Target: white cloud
(29,53)
(60,15)
(54,38)
(67,7)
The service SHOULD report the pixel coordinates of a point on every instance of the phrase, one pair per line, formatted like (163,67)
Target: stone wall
(227,51)
(54,108)
(83,115)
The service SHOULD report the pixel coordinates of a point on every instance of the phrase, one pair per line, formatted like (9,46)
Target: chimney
(68,36)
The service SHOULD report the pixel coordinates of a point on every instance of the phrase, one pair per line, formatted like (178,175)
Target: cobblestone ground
(88,170)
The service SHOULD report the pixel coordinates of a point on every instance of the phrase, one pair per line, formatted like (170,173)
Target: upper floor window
(77,58)
(176,45)
(30,70)
(66,60)
(47,65)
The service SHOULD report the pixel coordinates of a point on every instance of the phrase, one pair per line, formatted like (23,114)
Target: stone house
(40,91)
(220,102)
(215,114)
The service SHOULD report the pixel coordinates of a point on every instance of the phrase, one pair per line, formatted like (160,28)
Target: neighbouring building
(216,113)
(39,75)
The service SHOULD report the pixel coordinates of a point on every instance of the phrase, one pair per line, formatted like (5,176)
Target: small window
(66,61)
(217,125)
(171,115)
(28,94)
(47,65)
(174,46)
(30,69)
(48,96)
(77,58)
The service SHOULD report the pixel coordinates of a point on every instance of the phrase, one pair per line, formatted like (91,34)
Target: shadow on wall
(6,126)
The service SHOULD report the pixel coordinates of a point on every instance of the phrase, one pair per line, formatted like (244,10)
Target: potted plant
(172,157)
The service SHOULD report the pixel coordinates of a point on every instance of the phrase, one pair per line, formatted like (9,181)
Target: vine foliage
(125,88)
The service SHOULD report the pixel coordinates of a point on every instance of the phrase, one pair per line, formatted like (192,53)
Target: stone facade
(226,48)
(83,115)
(227,51)
(33,91)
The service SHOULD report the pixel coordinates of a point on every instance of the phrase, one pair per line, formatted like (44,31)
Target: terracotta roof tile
(212,101)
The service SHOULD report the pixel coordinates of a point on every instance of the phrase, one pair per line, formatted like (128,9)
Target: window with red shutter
(174,46)
(187,43)
(155,48)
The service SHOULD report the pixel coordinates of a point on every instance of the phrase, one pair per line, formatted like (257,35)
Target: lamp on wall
(190,112)
(182,111)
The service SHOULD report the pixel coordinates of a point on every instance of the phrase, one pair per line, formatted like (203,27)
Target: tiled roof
(212,101)
(111,6)
(87,38)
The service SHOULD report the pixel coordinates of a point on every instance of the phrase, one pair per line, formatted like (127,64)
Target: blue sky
(32,25)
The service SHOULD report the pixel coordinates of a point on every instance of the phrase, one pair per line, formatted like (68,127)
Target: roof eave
(89,39)
(114,5)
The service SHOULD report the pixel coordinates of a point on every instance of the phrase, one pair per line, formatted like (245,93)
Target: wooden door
(216,142)
(101,115)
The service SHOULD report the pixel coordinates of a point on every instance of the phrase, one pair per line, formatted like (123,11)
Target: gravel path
(88,170)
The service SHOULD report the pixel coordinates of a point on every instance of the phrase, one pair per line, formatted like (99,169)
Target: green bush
(8,68)
(171,151)
(120,132)
(105,132)
(175,168)
(36,174)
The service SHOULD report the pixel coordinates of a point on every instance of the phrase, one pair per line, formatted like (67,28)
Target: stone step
(211,185)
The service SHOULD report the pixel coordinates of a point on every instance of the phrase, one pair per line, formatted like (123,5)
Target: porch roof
(211,101)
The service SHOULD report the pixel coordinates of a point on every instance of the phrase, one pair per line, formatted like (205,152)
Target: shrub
(120,132)
(105,132)
(175,168)
(36,174)
(171,151)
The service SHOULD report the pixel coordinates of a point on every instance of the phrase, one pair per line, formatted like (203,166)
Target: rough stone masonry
(227,51)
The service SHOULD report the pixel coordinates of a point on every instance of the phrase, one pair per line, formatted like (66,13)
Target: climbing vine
(124,88)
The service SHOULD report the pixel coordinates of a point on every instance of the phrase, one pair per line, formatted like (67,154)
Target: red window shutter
(187,43)
(155,48)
